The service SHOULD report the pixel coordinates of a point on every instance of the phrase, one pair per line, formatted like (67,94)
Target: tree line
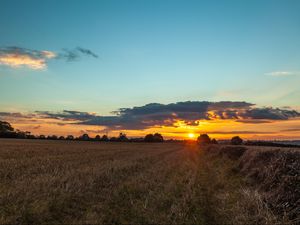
(7,131)
(204,139)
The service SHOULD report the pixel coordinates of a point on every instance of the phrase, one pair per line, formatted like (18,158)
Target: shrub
(154,138)
(97,138)
(236,140)
(214,141)
(204,139)
(104,138)
(149,138)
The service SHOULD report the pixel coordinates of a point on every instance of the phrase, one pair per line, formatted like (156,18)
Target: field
(69,182)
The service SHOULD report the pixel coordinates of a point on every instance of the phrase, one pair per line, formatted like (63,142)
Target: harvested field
(69,182)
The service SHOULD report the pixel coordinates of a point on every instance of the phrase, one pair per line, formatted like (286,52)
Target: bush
(154,138)
(104,138)
(122,137)
(236,140)
(149,138)
(204,139)
(97,138)
(214,141)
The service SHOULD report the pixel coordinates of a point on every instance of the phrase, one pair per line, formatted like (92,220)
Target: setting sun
(191,135)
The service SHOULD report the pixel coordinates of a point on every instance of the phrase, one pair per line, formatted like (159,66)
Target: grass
(61,182)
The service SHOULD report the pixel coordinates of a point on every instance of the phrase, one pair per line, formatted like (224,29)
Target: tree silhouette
(204,139)
(42,137)
(122,137)
(97,138)
(154,138)
(236,140)
(104,138)
(70,137)
(85,137)
(158,137)
(149,138)
(5,127)
(214,141)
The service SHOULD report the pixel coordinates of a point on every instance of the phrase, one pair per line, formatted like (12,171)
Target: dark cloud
(87,52)
(15,115)
(156,114)
(270,113)
(74,54)
(253,121)
(66,115)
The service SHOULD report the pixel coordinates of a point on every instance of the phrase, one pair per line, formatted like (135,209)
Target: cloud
(158,115)
(87,52)
(16,57)
(231,132)
(190,112)
(74,54)
(291,130)
(281,73)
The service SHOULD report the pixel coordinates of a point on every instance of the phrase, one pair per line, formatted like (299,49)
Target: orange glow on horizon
(217,128)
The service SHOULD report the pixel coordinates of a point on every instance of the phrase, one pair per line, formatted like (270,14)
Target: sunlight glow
(191,135)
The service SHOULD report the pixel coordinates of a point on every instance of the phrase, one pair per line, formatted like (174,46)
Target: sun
(191,135)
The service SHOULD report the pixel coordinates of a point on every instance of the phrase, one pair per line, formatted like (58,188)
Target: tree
(85,137)
(104,138)
(113,139)
(122,137)
(5,127)
(70,137)
(52,137)
(149,138)
(236,140)
(214,141)
(61,138)
(154,138)
(158,137)
(97,138)
(204,139)
(6,130)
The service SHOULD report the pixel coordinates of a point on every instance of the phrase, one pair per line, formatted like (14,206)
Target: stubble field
(69,182)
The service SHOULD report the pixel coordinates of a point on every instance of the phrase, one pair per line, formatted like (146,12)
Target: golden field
(70,182)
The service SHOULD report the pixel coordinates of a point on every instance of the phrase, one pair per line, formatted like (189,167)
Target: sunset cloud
(16,57)
(190,113)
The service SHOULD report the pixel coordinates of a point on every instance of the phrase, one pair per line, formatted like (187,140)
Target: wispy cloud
(16,57)
(282,73)
(74,54)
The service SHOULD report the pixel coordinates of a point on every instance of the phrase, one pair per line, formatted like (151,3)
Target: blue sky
(152,51)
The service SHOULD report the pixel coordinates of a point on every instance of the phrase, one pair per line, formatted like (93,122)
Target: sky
(74,66)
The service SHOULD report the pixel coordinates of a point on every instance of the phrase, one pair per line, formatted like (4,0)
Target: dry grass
(61,182)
